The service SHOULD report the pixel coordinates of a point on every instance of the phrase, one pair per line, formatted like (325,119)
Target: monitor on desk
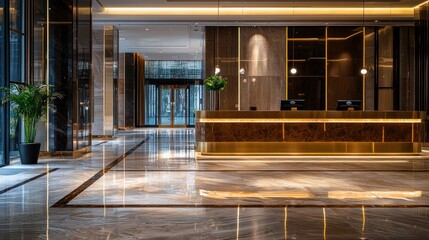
(292,104)
(349,104)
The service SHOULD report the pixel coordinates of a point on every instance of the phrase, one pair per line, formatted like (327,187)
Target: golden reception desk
(259,133)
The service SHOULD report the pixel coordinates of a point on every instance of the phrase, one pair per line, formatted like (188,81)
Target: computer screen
(349,104)
(292,103)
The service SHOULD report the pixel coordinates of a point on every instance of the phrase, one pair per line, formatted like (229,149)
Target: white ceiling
(163,42)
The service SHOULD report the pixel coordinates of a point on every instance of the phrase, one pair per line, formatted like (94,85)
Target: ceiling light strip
(260,11)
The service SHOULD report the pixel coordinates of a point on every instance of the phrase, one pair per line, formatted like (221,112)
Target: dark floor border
(27,181)
(69,197)
(245,206)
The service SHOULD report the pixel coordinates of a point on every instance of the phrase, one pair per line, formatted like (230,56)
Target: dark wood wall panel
(226,50)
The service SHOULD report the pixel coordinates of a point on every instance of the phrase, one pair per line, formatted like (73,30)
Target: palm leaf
(30,102)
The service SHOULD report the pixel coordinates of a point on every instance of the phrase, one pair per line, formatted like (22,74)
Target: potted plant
(30,103)
(215,83)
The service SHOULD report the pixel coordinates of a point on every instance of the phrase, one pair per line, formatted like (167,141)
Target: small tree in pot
(215,83)
(30,103)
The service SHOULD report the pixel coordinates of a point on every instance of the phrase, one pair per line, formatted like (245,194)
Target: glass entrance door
(173,105)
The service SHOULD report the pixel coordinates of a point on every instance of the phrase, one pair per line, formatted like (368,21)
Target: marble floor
(146,184)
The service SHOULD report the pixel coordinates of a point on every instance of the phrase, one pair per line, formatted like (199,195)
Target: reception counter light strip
(307,120)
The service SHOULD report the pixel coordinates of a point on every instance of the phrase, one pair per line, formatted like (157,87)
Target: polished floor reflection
(146,184)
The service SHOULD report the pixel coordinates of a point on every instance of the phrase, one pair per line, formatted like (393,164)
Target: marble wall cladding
(97,62)
(307,132)
(62,76)
(262,55)
(108,97)
(121,91)
(103,61)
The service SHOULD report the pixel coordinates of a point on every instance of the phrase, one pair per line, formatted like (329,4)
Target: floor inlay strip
(69,197)
(245,206)
(27,181)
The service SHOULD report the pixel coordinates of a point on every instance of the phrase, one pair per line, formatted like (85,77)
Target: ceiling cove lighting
(261,11)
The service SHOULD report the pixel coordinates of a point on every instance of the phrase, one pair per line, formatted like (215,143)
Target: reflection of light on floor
(304,161)
(374,194)
(174,154)
(265,194)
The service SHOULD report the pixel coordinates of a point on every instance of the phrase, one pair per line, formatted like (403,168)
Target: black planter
(29,152)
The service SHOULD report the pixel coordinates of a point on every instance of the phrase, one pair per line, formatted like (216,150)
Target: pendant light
(363,70)
(242,70)
(293,70)
(217,68)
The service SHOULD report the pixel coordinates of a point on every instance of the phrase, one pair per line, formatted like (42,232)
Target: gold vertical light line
(326,69)
(283,131)
(47,72)
(123,96)
(238,66)
(287,64)
(363,218)
(412,132)
(324,223)
(364,75)
(382,136)
(104,80)
(47,201)
(285,223)
(104,180)
(124,162)
(238,223)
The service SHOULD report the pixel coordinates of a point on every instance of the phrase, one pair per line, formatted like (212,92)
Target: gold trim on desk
(303,114)
(306,120)
(306,148)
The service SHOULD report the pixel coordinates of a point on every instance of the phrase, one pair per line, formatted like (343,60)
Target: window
(173,69)
(2,83)
(16,41)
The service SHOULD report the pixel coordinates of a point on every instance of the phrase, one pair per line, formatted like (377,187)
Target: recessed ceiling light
(147,29)
(122,38)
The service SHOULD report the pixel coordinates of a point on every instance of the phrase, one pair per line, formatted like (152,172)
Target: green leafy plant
(215,83)
(30,103)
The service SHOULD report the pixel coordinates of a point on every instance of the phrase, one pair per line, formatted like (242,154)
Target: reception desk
(260,133)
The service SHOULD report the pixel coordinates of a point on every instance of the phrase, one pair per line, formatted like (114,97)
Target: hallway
(146,184)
